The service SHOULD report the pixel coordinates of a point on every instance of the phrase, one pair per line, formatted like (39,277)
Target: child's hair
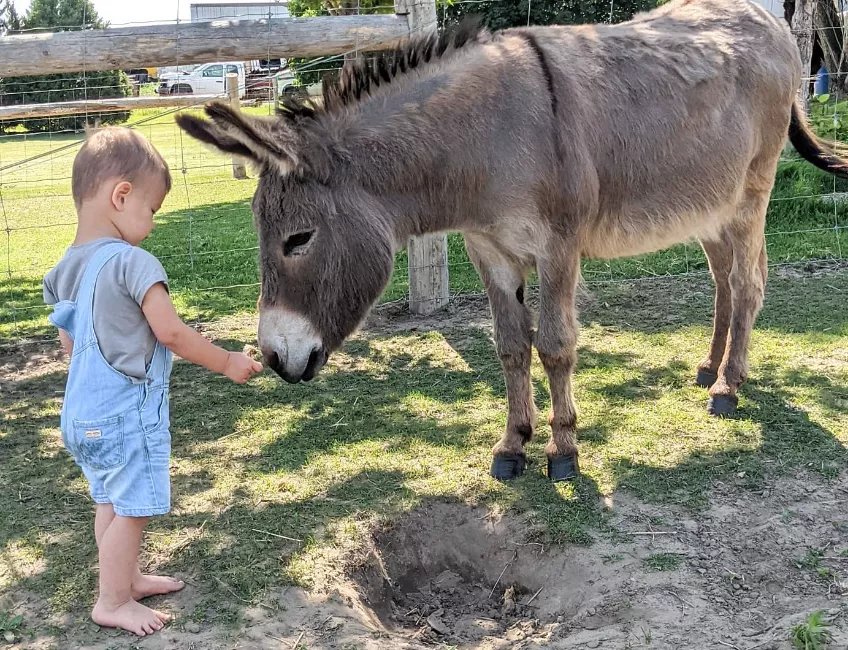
(115,152)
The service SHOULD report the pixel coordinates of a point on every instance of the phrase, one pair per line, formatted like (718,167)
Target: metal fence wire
(204,234)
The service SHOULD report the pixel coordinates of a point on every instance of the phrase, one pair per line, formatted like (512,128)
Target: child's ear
(119,195)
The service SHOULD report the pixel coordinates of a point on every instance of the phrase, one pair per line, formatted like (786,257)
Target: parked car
(141,75)
(207,79)
(262,87)
(210,79)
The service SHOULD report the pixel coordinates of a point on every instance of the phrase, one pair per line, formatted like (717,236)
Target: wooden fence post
(803,28)
(275,89)
(239,171)
(429,279)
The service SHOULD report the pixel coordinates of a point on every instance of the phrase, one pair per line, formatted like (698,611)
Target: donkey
(542,146)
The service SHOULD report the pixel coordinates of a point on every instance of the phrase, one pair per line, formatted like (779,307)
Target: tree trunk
(831,38)
(802,27)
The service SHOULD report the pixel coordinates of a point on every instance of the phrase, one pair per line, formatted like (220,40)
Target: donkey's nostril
(272,360)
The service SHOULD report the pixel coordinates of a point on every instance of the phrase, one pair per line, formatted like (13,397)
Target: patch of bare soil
(738,575)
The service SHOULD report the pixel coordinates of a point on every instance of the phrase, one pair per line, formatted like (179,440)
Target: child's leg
(142,585)
(103,516)
(119,544)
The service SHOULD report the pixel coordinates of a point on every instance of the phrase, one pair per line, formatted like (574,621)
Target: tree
(829,47)
(496,14)
(501,14)
(9,19)
(60,15)
(63,15)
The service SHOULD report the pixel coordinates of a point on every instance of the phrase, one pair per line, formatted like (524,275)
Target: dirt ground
(738,575)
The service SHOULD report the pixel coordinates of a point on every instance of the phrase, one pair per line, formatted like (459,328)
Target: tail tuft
(831,157)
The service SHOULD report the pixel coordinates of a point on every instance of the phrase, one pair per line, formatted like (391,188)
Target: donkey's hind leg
(747,284)
(720,256)
(504,281)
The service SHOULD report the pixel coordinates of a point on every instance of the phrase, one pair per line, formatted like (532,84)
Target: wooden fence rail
(203,42)
(123,48)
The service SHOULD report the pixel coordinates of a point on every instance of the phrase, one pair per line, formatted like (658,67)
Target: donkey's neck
(429,181)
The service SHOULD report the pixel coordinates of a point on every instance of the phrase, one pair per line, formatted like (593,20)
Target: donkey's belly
(631,234)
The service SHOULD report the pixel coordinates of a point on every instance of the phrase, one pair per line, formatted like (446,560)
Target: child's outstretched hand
(240,367)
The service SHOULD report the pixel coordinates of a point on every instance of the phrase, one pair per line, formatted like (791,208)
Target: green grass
(663,562)
(10,627)
(399,420)
(812,634)
(402,419)
(206,240)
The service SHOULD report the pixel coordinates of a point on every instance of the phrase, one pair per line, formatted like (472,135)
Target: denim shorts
(124,466)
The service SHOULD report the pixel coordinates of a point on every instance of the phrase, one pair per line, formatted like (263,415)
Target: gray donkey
(542,146)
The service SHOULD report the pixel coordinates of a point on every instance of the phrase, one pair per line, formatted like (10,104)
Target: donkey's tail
(829,156)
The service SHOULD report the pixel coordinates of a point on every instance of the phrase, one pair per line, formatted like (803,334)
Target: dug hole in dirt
(459,575)
(739,574)
(449,575)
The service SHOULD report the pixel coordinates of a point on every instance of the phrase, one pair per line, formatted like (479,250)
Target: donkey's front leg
(513,336)
(556,341)
(513,339)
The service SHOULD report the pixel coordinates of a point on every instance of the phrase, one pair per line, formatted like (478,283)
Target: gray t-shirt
(125,338)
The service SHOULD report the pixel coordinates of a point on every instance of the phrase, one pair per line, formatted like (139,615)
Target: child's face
(136,204)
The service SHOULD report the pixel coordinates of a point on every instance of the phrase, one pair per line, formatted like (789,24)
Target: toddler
(119,328)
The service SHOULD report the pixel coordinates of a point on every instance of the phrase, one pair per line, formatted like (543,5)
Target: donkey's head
(326,249)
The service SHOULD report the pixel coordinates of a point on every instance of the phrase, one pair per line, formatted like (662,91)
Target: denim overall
(116,427)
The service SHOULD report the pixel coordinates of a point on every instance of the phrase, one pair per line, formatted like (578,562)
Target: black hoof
(706,378)
(506,467)
(563,468)
(722,405)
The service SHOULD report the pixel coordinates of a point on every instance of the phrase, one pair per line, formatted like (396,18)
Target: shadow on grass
(333,434)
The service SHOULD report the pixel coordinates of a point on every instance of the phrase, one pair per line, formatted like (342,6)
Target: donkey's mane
(360,78)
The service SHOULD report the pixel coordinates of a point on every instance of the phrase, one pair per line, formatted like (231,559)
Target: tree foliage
(501,14)
(62,15)
(9,19)
(59,15)
(496,14)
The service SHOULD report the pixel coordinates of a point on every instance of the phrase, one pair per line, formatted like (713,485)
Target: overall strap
(85,293)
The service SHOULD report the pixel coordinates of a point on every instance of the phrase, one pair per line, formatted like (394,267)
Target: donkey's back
(673,114)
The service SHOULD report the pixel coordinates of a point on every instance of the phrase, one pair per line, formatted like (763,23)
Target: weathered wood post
(275,88)
(239,171)
(429,279)
(802,27)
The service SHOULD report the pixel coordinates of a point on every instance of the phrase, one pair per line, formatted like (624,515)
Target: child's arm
(67,343)
(189,344)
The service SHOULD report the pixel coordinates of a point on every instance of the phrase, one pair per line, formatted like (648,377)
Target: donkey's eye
(296,244)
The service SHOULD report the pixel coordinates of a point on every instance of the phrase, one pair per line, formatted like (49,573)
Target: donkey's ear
(267,141)
(207,132)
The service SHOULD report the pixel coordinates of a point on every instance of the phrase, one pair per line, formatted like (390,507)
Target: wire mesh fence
(206,241)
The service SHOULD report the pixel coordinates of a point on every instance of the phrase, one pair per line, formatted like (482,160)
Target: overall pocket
(99,444)
(154,412)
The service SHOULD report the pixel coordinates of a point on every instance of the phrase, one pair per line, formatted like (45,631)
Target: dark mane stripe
(359,78)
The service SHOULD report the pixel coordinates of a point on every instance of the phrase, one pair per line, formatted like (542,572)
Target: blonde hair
(115,152)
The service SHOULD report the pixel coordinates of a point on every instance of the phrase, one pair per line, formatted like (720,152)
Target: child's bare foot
(130,616)
(145,585)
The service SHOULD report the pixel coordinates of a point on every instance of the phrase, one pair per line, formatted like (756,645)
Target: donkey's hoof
(563,468)
(506,467)
(722,405)
(706,378)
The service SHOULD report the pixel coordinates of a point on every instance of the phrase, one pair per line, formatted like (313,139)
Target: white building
(209,11)
(774,6)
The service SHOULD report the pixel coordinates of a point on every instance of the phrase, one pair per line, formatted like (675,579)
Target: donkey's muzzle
(317,360)
(290,344)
